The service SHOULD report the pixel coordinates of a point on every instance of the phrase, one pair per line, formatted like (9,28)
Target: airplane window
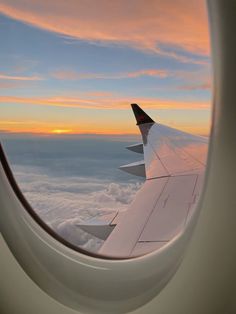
(68,76)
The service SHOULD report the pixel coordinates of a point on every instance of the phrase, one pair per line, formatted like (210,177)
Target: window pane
(68,76)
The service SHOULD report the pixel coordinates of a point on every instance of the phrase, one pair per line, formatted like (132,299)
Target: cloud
(73,75)
(21,64)
(64,202)
(149,72)
(146,26)
(196,86)
(19,78)
(17,81)
(13,122)
(51,101)
(99,94)
(106,103)
(11,84)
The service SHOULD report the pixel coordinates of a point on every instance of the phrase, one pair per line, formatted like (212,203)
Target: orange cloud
(99,94)
(196,86)
(142,25)
(149,72)
(19,78)
(107,103)
(73,75)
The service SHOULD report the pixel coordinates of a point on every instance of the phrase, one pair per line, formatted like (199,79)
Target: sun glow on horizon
(202,130)
(61,131)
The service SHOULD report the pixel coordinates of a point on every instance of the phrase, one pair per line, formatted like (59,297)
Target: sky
(75,66)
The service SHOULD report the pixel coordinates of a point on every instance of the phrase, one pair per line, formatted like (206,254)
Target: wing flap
(146,247)
(126,234)
(158,213)
(171,211)
(100,231)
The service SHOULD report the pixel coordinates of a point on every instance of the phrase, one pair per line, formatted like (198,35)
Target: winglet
(140,115)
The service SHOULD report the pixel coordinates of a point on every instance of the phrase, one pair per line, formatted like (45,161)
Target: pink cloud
(106,103)
(149,72)
(19,78)
(73,75)
(196,86)
(140,24)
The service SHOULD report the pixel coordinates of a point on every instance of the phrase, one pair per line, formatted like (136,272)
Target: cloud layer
(65,202)
(147,26)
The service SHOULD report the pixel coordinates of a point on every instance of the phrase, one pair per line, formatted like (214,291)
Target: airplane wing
(174,165)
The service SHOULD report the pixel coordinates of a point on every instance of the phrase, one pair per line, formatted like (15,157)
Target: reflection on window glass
(68,76)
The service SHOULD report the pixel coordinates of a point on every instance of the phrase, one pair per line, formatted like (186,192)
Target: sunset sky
(75,66)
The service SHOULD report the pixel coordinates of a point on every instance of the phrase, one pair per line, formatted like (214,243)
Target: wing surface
(159,212)
(174,165)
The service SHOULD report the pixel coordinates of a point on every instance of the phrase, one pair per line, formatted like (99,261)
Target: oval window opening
(67,85)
